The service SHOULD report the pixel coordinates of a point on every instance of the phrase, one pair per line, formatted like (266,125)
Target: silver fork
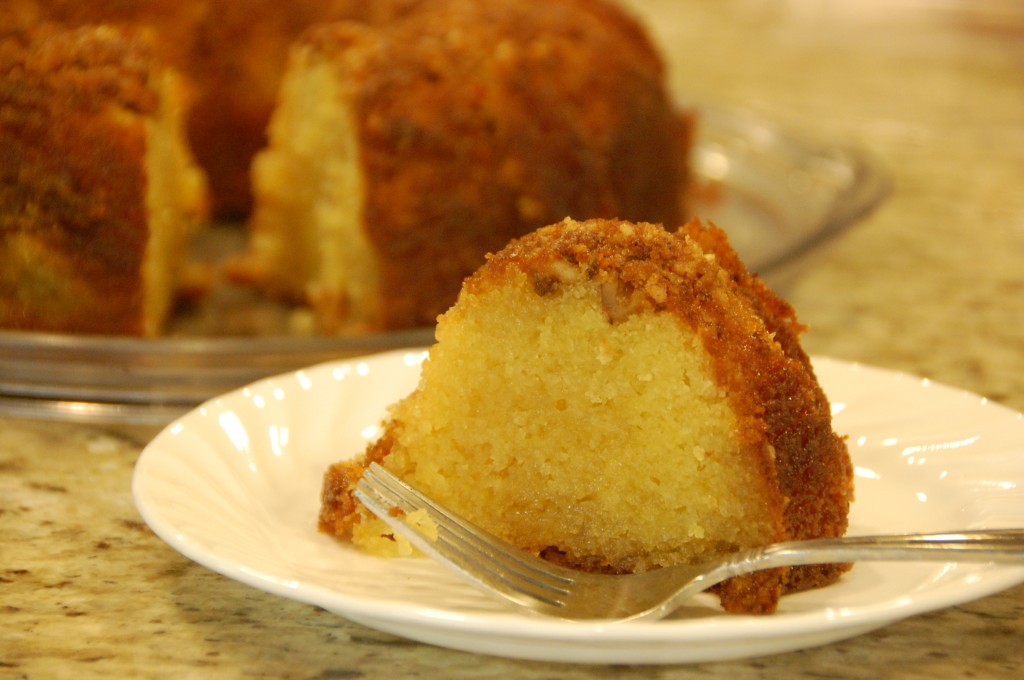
(501,568)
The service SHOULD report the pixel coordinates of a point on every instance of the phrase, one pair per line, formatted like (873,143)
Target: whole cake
(617,398)
(399,155)
(99,194)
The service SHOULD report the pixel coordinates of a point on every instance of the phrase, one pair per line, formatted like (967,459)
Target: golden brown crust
(234,51)
(235,62)
(337,504)
(479,122)
(99,194)
(818,495)
(73,220)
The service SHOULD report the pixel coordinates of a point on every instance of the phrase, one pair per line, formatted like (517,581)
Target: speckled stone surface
(931,283)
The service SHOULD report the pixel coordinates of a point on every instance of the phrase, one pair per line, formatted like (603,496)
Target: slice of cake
(617,398)
(400,155)
(99,194)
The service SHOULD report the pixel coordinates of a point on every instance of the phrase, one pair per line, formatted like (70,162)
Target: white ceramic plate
(234,485)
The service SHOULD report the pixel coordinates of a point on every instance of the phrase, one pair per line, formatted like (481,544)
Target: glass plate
(235,486)
(780,197)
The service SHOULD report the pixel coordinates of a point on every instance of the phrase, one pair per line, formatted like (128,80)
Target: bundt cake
(99,194)
(399,155)
(616,397)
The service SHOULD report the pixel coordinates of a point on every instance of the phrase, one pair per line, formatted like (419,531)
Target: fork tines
(478,556)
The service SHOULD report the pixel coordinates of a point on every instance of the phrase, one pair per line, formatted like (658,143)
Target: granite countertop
(930,283)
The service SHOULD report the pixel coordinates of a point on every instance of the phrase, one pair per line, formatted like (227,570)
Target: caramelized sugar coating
(98,192)
(618,398)
(232,51)
(438,138)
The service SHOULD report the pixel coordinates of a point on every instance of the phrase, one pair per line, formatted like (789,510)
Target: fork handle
(1004,546)
(987,545)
